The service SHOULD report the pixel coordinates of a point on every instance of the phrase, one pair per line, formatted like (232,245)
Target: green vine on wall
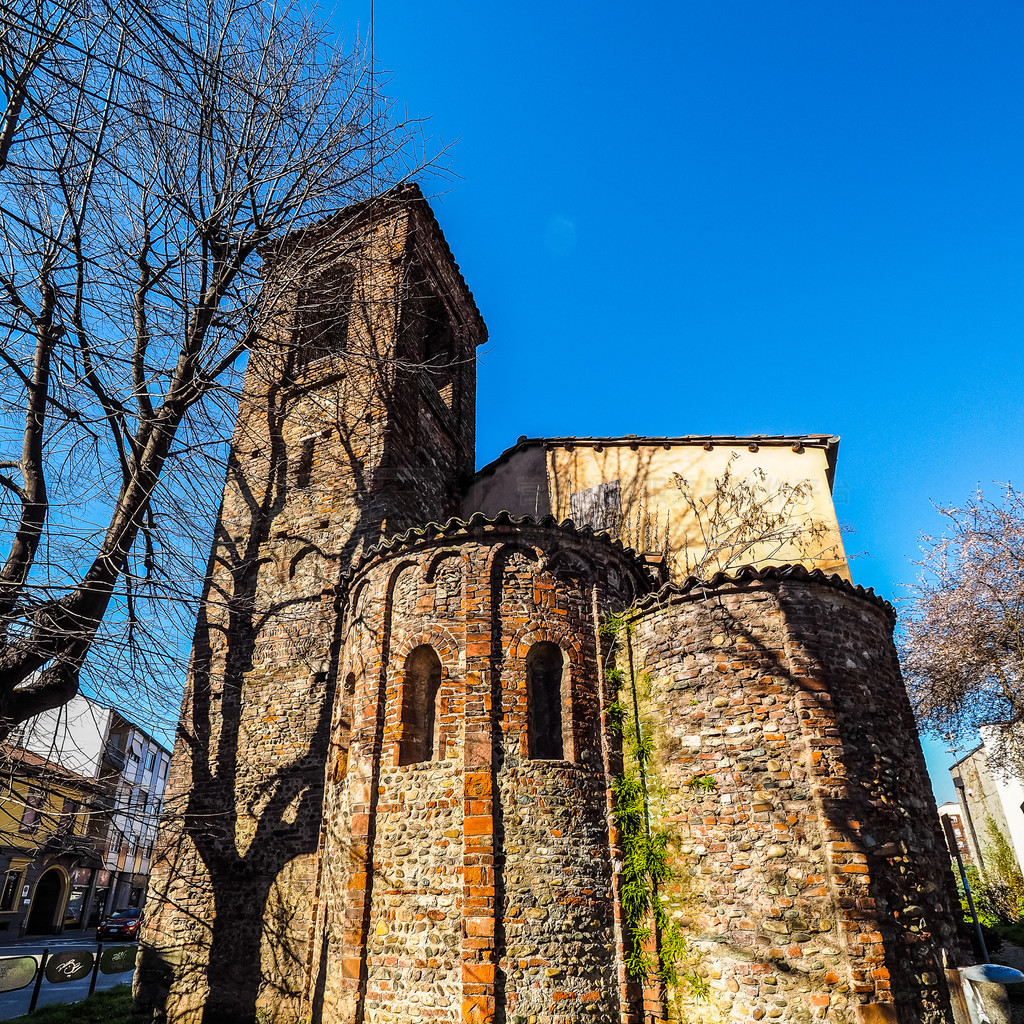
(645,864)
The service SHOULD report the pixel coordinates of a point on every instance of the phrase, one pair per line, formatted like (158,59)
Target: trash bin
(985,992)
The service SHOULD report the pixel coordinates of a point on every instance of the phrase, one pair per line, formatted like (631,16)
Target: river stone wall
(479,882)
(812,880)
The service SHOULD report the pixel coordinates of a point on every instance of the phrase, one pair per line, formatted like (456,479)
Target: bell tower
(357,417)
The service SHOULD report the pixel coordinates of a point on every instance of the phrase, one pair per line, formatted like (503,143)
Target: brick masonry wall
(476,886)
(812,882)
(327,454)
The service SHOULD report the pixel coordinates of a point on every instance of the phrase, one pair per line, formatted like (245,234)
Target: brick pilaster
(479,956)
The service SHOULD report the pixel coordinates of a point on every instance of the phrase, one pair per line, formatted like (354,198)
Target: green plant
(706,783)
(615,624)
(1003,886)
(645,866)
(112,1006)
(645,860)
(999,893)
(616,712)
(698,985)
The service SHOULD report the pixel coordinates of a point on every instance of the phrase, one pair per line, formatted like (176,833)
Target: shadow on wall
(889,893)
(229,926)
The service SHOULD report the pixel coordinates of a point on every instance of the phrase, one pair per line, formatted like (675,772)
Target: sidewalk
(85,937)
(1010,955)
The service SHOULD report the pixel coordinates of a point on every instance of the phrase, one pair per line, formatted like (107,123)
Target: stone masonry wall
(343,843)
(329,448)
(811,879)
(477,884)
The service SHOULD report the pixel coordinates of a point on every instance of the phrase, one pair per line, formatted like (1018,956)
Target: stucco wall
(645,507)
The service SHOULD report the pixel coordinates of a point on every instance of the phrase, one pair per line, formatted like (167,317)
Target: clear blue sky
(740,217)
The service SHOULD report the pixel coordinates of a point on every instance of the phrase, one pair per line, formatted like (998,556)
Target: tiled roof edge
(696,586)
(456,527)
(829,442)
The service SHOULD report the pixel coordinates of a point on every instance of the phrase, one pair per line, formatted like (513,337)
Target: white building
(99,742)
(989,786)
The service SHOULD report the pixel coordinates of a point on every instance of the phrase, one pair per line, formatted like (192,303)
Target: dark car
(121,924)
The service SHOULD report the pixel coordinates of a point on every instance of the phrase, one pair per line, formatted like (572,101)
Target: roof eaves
(970,753)
(746,574)
(828,442)
(476,525)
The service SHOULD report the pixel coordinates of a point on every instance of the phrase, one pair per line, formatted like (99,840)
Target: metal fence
(18,972)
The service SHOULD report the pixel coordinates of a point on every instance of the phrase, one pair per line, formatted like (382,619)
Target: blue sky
(739,217)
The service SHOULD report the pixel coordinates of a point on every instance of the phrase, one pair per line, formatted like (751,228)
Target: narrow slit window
(419,705)
(438,337)
(439,350)
(545,668)
(344,736)
(304,462)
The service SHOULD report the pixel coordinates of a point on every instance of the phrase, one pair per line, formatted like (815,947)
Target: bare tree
(149,152)
(963,626)
(748,520)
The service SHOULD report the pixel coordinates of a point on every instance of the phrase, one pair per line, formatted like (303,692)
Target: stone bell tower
(357,417)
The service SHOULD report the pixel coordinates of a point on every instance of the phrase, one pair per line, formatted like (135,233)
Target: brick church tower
(357,418)
(417,699)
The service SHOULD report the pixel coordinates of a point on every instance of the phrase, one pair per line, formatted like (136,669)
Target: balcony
(63,843)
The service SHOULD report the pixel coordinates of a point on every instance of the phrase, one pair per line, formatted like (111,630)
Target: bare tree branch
(963,624)
(149,154)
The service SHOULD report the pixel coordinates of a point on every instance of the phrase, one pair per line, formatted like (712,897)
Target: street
(14,1004)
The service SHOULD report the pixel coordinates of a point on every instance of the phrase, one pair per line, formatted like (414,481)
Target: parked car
(121,924)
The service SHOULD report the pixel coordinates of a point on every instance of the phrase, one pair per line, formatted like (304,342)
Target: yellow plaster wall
(654,514)
(13,795)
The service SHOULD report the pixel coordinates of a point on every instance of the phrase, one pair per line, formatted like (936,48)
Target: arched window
(545,666)
(343,738)
(419,705)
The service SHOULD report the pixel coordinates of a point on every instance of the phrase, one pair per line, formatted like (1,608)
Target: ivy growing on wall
(645,863)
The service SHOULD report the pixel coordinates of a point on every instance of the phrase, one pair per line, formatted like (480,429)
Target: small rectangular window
(33,812)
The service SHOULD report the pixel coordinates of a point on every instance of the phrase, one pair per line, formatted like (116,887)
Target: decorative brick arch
(453,553)
(344,718)
(440,641)
(499,552)
(355,665)
(581,568)
(520,642)
(352,666)
(529,637)
(389,603)
(437,637)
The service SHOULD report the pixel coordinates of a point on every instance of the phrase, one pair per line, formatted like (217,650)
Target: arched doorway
(48,898)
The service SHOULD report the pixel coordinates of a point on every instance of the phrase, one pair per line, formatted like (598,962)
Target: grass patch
(109,1007)
(1010,932)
